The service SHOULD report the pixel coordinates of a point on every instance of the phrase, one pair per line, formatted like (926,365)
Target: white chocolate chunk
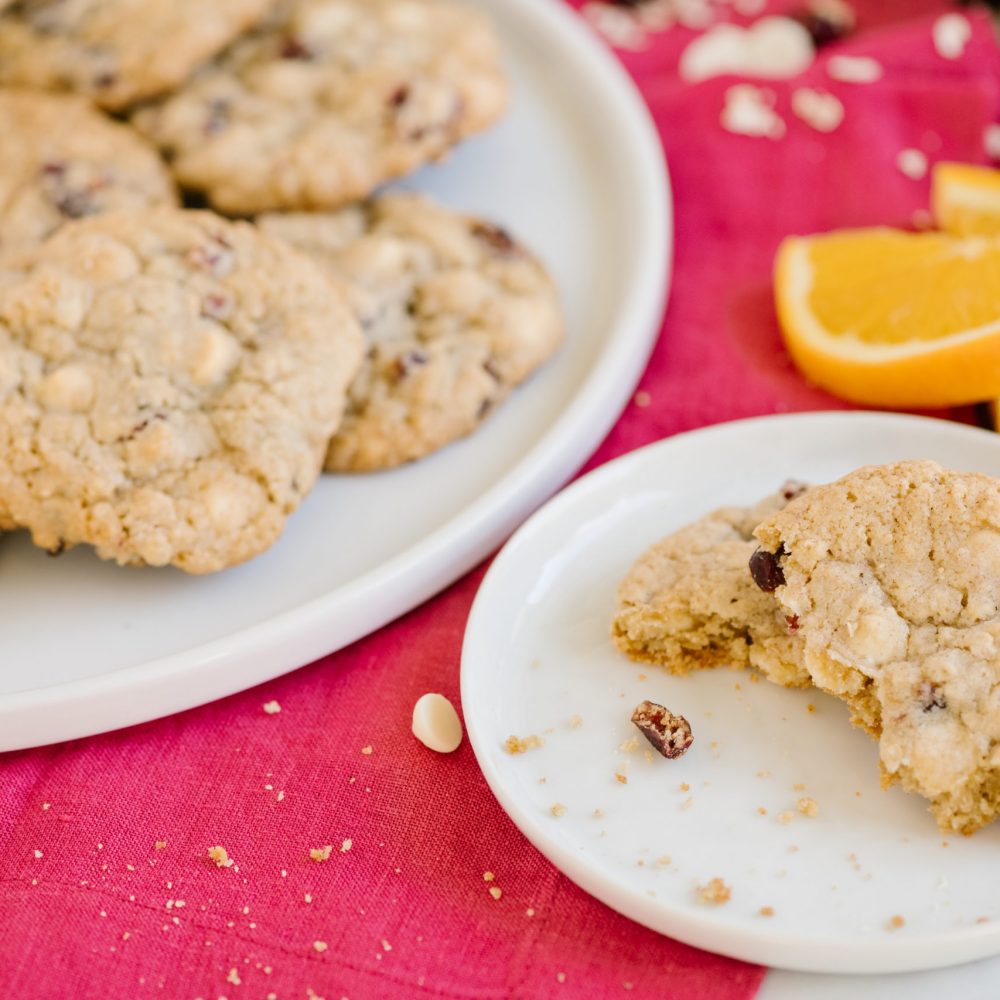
(436,723)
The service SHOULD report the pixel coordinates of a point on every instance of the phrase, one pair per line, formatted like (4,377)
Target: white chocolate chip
(951,33)
(822,111)
(750,110)
(853,69)
(773,48)
(69,389)
(214,354)
(912,163)
(436,723)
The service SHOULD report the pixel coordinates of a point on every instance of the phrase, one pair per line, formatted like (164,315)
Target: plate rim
(287,641)
(701,930)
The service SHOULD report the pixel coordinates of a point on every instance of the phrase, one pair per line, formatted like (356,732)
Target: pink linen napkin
(107,890)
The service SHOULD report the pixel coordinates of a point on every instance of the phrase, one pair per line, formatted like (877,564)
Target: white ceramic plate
(537,652)
(575,170)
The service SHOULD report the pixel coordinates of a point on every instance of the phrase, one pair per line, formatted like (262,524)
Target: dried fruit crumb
(715,892)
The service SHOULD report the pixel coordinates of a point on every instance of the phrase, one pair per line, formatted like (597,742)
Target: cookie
(330,99)
(64,160)
(893,575)
(117,52)
(455,313)
(690,602)
(169,382)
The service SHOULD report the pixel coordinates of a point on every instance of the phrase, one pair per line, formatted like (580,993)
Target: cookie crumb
(558,809)
(219,855)
(951,34)
(495,891)
(620,776)
(642,399)
(561,977)
(808,807)
(810,708)
(912,163)
(761,810)
(895,922)
(575,722)
(271,708)
(798,787)
(160,844)
(46,805)
(530,911)
(819,110)
(663,860)
(854,69)
(598,813)
(715,892)
(367,750)
(346,845)
(488,876)
(38,853)
(749,111)
(321,853)
(786,817)
(516,745)
(669,735)
(320,946)
(766,911)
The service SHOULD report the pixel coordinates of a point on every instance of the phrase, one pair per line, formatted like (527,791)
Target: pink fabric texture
(106,889)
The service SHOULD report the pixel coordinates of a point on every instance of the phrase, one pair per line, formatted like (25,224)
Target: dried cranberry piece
(792,621)
(75,204)
(399,96)
(405,363)
(670,735)
(766,571)
(792,488)
(295,48)
(215,305)
(931,697)
(495,237)
(218,116)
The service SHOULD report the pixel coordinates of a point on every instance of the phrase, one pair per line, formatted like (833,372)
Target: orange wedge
(965,199)
(889,318)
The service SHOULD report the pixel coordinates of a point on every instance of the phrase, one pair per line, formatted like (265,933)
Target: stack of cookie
(173,381)
(882,589)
